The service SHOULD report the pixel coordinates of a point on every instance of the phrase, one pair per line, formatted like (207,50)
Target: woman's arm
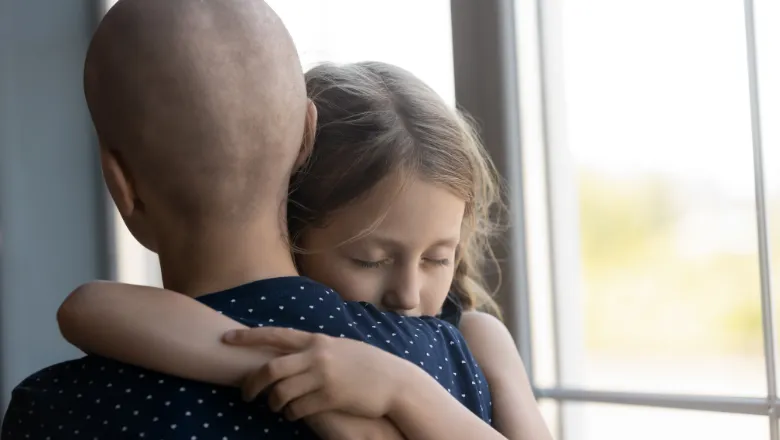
(157,329)
(515,411)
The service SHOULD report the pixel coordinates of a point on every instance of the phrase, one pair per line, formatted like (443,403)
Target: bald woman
(202,116)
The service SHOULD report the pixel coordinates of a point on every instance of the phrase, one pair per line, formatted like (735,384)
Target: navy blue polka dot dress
(96,398)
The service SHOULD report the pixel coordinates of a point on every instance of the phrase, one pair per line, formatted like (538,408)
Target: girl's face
(406,264)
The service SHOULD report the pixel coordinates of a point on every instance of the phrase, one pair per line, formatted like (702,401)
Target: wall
(52,207)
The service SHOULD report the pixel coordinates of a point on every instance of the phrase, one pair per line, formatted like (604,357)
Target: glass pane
(767,35)
(357,30)
(586,421)
(661,212)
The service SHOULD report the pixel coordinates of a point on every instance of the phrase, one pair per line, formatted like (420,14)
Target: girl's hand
(317,373)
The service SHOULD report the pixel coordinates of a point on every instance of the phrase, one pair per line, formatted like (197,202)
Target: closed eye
(437,262)
(369,264)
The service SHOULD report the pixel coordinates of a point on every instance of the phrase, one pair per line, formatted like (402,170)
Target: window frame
(525,38)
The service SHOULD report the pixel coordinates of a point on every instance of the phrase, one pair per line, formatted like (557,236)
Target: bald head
(202,102)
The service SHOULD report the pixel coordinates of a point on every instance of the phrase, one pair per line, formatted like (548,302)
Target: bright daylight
(638,149)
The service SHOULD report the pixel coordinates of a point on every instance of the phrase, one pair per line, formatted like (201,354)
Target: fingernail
(230,336)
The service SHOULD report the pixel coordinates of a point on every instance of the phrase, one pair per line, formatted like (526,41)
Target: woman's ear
(124,192)
(118,181)
(309,133)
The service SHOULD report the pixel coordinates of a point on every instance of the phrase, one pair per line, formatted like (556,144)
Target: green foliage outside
(643,296)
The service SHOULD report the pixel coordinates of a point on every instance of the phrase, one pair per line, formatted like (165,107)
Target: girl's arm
(157,329)
(171,333)
(515,411)
(320,373)
(426,411)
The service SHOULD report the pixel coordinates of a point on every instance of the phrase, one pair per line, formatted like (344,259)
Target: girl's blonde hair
(376,119)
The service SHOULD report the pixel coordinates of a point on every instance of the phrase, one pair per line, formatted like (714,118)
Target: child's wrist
(410,380)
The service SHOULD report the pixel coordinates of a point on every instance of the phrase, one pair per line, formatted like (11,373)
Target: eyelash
(369,264)
(443,262)
(377,264)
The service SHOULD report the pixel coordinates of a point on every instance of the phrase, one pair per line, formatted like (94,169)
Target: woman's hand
(317,373)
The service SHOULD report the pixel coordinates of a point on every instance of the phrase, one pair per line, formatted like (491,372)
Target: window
(648,275)
(353,30)
(339,31)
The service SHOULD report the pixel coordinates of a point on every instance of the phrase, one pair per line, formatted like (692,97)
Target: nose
(403,292)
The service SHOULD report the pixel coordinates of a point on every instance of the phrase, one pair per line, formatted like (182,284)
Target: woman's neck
(214,259)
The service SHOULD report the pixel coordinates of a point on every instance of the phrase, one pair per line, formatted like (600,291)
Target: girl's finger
(310,404)
(291,389)
(274,371)
(285,339)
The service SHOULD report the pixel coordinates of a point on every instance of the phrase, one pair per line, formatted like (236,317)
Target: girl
(393,208)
